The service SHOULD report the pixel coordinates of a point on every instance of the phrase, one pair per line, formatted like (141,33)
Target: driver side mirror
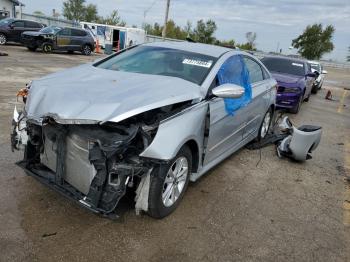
(11,26)
(228,91)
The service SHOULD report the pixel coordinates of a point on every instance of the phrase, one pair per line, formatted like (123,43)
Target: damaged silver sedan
(150,119)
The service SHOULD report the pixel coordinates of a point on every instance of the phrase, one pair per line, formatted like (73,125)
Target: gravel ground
(277,211)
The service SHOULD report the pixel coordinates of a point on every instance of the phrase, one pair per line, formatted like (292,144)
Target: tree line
(311,44)
(78,10)
(202,32)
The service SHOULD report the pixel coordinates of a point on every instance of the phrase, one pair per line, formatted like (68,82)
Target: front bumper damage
(89,164)
(92,164)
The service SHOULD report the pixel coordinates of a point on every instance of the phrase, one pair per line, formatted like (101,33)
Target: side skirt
(206,168)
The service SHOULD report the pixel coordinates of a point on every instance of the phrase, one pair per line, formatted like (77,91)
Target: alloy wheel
(2,39)
(87,50)
(265,125)
(175,181)
(47,48)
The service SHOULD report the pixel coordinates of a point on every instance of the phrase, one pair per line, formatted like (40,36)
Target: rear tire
(265,125)
(314,89)
(86,50)
(3,39)
(169,183)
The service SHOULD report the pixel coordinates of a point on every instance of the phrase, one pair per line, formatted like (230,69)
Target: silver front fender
(175,131)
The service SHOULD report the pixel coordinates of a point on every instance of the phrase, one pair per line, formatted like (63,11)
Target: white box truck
(118,36)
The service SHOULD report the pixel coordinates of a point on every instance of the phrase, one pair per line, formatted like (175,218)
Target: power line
(149,8)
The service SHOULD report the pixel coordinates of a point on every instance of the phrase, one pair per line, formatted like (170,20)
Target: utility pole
(166,18)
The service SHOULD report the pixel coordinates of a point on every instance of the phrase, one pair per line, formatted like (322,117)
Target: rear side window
(255,72)
(76,32)
(18,24)
(31,24)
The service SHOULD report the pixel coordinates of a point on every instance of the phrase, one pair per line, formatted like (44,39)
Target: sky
(276,22)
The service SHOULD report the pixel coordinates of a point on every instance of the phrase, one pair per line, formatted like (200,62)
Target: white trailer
(118,36)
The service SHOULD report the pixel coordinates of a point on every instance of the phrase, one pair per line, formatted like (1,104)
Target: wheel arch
(87,43)
(193,146)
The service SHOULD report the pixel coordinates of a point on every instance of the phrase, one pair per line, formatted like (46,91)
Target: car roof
(205,49)
(288,58)
(18,19)
(314,62)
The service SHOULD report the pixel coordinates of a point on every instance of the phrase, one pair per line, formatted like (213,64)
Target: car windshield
(50,30)
(190,66)
(6,21)
(316,67)
(286,66)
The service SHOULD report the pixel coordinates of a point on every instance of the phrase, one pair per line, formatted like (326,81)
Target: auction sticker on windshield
(206,64)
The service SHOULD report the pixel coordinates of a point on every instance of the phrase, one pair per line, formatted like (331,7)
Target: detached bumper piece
(89,164)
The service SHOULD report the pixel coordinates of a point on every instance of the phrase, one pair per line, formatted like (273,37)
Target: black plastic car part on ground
(59,38)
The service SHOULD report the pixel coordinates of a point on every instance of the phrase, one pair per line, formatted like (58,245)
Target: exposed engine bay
(92,164)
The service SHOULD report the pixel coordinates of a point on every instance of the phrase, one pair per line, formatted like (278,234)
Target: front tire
(3,39)
(314,89)
(169,183)
(296,109)
(47,48)
(307,98)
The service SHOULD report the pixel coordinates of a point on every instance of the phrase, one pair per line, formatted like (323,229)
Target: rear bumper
(287,100)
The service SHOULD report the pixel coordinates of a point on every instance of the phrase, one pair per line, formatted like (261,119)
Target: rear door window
(255,72)
(65,32)
(76,32)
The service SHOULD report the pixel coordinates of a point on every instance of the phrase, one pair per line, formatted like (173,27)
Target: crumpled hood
(89,93)
(287,78)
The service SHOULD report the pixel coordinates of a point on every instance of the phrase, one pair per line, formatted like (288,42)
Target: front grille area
(282,89)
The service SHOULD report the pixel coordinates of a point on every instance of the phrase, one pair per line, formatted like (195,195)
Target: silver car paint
(92,94)
(175,132)
(227,133)
(87,94)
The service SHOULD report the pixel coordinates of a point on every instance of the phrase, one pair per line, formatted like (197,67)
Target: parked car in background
(59,38)
(150,118)
(294,78)
(317,68)
(11,29)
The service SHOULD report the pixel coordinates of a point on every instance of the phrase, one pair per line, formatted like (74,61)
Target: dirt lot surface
(276,211)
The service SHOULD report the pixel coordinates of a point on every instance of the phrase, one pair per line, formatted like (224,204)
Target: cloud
(275,21)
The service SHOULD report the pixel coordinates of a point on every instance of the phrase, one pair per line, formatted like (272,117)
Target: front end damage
(92,164)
